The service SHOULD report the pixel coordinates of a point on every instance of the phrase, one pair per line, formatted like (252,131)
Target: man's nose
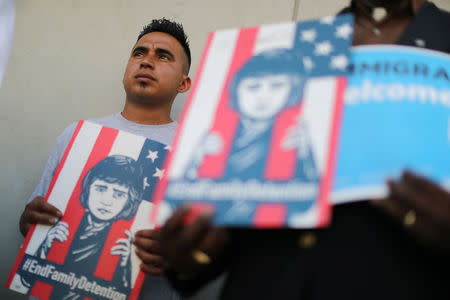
(148,61)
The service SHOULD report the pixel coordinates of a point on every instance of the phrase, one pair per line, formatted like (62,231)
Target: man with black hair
(156,72)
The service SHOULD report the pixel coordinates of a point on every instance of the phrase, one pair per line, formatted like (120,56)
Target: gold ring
(410,218)
(201,257)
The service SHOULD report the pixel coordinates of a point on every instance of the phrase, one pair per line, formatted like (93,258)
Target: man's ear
(185,84)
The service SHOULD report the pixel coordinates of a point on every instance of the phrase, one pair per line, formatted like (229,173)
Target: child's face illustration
(264,96)
(106,200)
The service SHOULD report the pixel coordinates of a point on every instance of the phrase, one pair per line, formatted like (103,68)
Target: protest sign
(103,186)
(396,117)
(257,136)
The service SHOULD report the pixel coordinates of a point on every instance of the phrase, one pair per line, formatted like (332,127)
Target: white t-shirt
(154,287)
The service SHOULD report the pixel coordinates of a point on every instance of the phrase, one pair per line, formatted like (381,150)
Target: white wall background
(67,63)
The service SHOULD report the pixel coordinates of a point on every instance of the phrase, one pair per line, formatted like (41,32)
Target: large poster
(103,186)
(396,117)
(257,136)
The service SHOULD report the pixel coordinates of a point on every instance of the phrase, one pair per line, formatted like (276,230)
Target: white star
(327,20)
(168,148)
(344,31)
(146,184)
(339,62)
(159,173)
(308,35)
(324,48)
(308,62)
(152,155)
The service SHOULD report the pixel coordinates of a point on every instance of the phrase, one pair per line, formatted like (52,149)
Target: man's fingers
(39,204)
(150,259)
(193,234)
(392,207)
(425,196)
(150,270)
(215,240)
(412,220)
(148,234)
(147,245)
(175,222)
(41,218)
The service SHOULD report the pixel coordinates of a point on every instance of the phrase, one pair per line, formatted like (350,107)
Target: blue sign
(396,117)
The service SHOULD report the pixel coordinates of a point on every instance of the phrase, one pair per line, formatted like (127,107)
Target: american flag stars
(339,62)
(344,31)
(152,159)
(158,173)
(324,45)
(324,48)
(327,20)
(146,184)
(308,63)
(152,155)
(308,35)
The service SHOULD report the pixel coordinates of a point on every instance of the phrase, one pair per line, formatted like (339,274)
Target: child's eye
(118,194)
(100,188)
(276,85)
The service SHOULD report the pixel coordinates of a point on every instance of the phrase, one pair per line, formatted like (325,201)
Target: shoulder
(430,25)
(65,136)
(110,121)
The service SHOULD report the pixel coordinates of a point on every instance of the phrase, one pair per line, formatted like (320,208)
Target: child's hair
(273,62)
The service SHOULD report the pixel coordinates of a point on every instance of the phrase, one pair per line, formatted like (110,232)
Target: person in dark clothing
(393,248)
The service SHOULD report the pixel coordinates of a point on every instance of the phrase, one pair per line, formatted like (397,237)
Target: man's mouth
(144,77)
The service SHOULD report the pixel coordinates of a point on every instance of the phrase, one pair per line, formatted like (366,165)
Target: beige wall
(67,62)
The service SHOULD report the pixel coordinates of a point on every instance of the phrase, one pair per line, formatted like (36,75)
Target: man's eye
(164,57)
(137,54)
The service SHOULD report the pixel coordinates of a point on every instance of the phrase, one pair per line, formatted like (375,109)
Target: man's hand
(148,250)
(188,249)
(422,206)
(38,211)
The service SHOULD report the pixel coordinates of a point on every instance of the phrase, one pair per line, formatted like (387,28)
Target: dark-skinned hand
(148,249)
(180,240)
(40,212)
(422,206)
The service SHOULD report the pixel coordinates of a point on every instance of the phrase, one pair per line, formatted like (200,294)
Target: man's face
(156,70)
(263,97)
(106,200)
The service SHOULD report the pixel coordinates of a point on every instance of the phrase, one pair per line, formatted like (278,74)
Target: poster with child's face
(103,185)
(257,136)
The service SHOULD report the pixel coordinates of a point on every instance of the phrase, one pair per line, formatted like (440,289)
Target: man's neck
(147,115)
